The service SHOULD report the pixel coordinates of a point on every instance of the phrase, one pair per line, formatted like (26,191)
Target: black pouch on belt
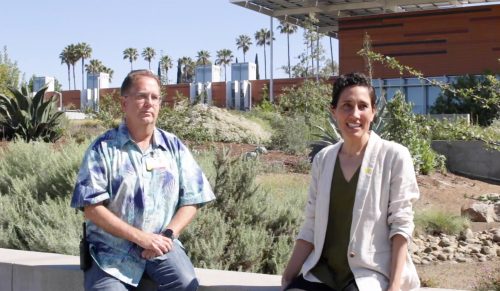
(85,258)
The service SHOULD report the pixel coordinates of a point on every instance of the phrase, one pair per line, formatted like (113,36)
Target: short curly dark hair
(348,80)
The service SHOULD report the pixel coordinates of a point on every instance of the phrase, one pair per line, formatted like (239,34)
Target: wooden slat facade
(454,41)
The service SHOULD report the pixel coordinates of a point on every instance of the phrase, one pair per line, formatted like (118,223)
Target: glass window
(415,95)
(432,94)
(413,81)
(390,92)
(394,82)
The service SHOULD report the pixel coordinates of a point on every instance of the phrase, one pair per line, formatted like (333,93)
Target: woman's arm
(398,260)
(300,253)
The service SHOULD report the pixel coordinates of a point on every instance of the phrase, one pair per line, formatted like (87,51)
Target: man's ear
(122,102)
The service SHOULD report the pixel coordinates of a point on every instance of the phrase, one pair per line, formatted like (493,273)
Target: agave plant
(331,135)
(29,118)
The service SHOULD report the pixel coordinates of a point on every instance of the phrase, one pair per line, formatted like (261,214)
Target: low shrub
(82,131)
(436,222)
(35,189)
(291,134)
(199,123)
(27,223)
(461,130)
(250,229)
(39,169)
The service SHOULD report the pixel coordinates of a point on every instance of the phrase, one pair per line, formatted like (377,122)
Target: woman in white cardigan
(358,217)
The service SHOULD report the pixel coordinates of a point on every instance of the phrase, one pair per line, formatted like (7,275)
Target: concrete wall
(36,271)
(470,158)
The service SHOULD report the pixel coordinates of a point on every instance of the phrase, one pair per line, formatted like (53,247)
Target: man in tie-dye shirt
(139,187)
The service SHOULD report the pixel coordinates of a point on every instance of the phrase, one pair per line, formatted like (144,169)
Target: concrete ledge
(36,271)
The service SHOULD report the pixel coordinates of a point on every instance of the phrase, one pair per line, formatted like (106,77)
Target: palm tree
(288,28)
(166,63)
(94,66)
(108,71)
(68,55)
(203,58)
(243,42)
(66,58)
(83,51)
(148,54)
(224,57)
(263,37)
(130,54)
(188,69)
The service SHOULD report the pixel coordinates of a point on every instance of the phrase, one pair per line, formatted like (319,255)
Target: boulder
(478,211)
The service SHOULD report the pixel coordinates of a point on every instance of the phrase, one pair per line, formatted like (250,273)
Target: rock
(428,250)
(487,242)
(474,249)
(445,242)
(261,150)
(478,211)
(250,155)
(466,234)
(442,257)
(425,262)
(496,209)
(498,252)
(416,259)
(486,250)
(482,259)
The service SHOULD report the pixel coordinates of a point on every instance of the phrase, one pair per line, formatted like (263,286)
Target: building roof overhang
(329,12)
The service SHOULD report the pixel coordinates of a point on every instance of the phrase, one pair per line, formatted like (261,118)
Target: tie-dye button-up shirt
(144,189)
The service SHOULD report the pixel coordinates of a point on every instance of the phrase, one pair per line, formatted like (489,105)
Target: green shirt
(333,267)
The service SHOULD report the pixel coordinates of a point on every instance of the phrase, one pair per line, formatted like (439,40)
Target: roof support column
(271,83)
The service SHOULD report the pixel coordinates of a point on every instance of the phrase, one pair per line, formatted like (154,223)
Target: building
(442,39)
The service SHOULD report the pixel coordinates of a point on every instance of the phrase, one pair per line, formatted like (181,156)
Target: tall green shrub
(402,127)
(110,112)
(310,99)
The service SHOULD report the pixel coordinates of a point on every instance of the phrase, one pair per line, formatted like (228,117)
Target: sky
(35,33)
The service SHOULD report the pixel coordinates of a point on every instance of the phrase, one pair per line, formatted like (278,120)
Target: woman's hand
(285,282)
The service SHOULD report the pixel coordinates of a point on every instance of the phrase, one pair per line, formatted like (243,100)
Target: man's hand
(155,245)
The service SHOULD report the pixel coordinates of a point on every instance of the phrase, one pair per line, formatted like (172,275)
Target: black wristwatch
(169,233)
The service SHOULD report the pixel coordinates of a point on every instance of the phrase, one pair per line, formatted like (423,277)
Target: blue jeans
(172,271)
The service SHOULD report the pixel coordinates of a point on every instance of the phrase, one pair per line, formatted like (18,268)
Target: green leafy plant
(478,96)
(402,126)
(30,119)
(110,111)
(310,99)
